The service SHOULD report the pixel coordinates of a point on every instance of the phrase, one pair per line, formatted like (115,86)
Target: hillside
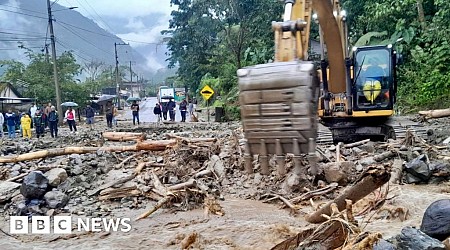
(25,22)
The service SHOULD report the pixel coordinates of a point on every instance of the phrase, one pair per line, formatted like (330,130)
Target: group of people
(162,109)
(37,117)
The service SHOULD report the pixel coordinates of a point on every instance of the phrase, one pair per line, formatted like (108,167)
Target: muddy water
(246,224)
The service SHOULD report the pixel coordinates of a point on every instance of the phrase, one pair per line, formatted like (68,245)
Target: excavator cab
(374,83)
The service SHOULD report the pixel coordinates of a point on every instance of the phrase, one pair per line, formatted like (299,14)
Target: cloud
(144,34)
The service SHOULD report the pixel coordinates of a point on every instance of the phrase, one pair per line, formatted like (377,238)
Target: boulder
(436,220)
(338,172)
(419,168)
(413,239)
(56,176)
(8,190)
(34,185)
(384,245)
(56,199)
(216,164)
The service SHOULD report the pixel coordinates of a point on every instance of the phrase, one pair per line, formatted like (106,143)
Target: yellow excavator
(352,91)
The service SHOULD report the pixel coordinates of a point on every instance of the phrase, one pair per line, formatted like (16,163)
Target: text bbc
(63,225)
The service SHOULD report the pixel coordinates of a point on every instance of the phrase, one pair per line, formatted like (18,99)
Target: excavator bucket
(278,111)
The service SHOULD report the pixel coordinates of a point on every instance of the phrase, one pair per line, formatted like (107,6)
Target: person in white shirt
(2,120)
(33,110)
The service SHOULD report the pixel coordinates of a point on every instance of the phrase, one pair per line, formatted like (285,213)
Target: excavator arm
(281,101)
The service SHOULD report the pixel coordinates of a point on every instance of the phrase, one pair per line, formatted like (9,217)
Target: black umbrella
(103,98)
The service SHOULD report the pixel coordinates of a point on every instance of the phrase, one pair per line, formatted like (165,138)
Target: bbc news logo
(63,225)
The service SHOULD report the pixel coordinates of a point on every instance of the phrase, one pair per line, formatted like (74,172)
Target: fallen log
(146,145)
(190,140)
(371,180)
(384,155)
(116,193)
(437,113)
(111,184)
(356,144)
(310,194)
(124,136)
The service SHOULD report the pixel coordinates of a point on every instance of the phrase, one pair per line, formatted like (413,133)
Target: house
(10,98)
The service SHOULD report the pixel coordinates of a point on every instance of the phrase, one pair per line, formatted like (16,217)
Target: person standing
(115,113)
(90,113)
(2,121)
(183,110)
(164,110)
(46,112)
(135,112)
(33,110)
(70,118)
(191,107)
(39,123)
(53,122)
(157,111)
(171,105)
(10,119)
(109,114)
(25,122)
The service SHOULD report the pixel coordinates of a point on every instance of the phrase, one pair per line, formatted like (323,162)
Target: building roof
(4,86)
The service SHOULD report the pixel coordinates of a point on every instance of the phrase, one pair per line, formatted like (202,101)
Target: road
(146,111)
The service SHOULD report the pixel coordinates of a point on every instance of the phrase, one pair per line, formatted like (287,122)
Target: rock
(414,239)
(16,167)
(8,189)
(34,185)
(436,220)
(216,164)
(446,141)
(257,179)
(56,199)
(410,179)
(419,168)
(50,212)
(384,245)
(75,159)
(338,171)
(76,170)
(56,176)
(367,161)
(357,151)
(441,169)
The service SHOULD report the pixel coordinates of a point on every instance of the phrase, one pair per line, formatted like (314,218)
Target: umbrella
(69,104)
(131,99)
(103,98)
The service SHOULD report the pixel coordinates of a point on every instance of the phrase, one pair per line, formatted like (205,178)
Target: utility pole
(131,80)
(55,69)
(117,72)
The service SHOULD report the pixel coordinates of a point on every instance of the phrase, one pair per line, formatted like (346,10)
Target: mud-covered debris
(34,185)
(384,245)
(436,220)
(338,172)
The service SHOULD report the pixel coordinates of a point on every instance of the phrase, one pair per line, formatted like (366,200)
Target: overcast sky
(138,20)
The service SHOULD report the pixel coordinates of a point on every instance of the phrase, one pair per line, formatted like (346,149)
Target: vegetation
(211,39)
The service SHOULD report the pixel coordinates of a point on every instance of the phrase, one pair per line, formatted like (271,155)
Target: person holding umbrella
(135,112)
(70,118)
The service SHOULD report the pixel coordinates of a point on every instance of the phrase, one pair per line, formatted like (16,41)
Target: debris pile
(185,167)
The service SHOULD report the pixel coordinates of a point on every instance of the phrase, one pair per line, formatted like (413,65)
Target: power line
(19,8)
(84,39)
(19,34)
(101,20)
(25,14)
(64,46)
(105,35)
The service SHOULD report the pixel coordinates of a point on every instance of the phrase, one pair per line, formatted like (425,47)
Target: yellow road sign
(207,92)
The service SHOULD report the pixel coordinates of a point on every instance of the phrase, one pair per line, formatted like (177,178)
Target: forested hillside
(211,39)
